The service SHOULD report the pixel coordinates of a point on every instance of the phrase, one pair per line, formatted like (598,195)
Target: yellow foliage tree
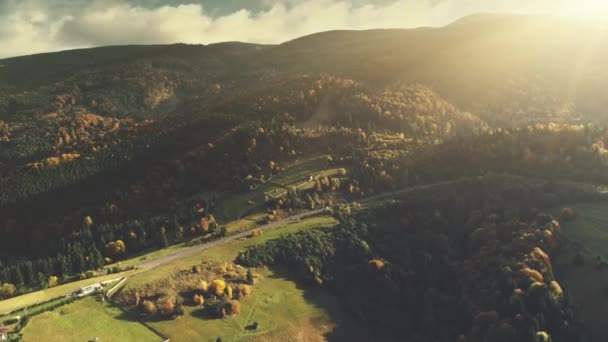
(245,290)
(204,287)
(218,286)
(53,281)
(148,307)
(229,292)
(198,299)
(7,290)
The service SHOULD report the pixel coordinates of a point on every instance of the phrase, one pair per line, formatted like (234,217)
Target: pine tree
(96,259)
(17,277)
(250,278)
(179,234)
(27,269)
(163,238)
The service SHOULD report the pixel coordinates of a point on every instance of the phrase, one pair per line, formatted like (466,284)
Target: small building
(3,332)
(87,290)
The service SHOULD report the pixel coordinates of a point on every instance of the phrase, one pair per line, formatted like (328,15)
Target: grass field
(277,304)
(234,206)
(83,321)
(590,228)
(586,234)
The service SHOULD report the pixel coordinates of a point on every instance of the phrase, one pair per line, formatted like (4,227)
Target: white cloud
(30,26)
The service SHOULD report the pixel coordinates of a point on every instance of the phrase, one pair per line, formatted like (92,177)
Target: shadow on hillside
(345,326)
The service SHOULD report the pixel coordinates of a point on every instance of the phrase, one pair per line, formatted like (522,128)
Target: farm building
(87,290)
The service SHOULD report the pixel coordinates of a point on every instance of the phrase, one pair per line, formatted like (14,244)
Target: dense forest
(479,268)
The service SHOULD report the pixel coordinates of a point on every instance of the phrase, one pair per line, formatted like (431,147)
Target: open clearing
(590,228)
(83,321)
(276,303)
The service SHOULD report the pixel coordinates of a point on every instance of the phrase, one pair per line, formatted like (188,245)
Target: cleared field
(83,321)
(301,171)
(47,294)
(234,206)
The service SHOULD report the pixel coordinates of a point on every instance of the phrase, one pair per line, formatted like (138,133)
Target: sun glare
(596,10)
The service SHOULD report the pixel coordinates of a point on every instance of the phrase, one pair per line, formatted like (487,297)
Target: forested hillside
(474,129)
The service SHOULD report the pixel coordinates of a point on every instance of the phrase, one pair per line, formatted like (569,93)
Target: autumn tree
(233,307)
(53,281)
(198,299)
(148,307)
(228,292)
(244,290)
(116,248)
(204,287)
(166,305)
(7,290)
(217,287)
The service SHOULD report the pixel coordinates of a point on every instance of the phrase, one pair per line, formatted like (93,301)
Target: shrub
(90,274)
(568,214)
(233,307)
(376,264)
(216,308)
(244,291)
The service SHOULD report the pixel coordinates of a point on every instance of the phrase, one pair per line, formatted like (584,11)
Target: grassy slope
(83,321)
(587,233)
(590,228)
(276,303)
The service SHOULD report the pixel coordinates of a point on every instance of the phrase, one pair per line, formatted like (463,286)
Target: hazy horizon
(34,26)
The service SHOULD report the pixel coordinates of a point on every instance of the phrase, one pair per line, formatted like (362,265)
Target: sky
(34,26)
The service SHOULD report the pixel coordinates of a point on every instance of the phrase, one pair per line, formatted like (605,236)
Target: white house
(87,290)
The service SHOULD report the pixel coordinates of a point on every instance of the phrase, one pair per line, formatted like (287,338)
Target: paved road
(146,265)
(197,249)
